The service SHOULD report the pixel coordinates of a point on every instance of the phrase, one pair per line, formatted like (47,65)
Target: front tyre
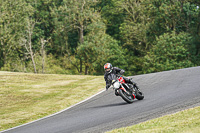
(125,96)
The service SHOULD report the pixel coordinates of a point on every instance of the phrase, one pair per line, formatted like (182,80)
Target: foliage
(71,36)
(99,48)
(170,52)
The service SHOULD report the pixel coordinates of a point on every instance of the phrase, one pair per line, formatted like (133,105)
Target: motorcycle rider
(110,71)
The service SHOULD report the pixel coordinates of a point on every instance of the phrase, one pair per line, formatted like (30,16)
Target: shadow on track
(110,105)
(114,104)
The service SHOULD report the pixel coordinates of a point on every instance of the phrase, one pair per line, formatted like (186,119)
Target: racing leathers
(112,74)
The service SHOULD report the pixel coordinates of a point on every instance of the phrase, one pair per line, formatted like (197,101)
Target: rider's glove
(122,72)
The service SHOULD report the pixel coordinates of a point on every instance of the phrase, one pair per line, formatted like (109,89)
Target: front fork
(130,93)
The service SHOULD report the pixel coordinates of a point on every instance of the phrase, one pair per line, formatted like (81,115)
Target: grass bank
(26,97)
(187,121)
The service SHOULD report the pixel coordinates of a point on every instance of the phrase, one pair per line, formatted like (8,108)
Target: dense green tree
(133,32)
(76,36)
(98,48)
(76,16)
(11,26)
(171,51)
(113,16)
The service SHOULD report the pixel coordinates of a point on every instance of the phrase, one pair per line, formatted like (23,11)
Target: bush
(171,51)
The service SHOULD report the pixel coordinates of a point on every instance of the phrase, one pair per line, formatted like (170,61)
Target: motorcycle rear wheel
(139,94)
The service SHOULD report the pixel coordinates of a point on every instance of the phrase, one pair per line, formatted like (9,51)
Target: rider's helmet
(108,67)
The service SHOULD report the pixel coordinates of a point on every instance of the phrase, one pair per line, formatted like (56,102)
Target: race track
(165,92)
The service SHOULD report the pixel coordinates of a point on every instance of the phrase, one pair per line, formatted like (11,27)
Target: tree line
(80,36)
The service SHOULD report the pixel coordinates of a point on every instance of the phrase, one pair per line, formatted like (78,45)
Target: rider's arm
(118,70)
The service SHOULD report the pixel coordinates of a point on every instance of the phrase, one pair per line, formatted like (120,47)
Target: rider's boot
(133,85)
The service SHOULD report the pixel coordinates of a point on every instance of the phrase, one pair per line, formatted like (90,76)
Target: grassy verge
(187,121)
(27,97)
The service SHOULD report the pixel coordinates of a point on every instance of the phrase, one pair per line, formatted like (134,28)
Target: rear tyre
(139,94)
(126,97)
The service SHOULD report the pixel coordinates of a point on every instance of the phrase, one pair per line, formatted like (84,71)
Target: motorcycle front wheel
(126,97)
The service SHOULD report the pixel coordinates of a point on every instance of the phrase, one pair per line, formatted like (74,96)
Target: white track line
(54,113)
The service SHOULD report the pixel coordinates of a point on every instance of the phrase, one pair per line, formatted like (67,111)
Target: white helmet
(108,67)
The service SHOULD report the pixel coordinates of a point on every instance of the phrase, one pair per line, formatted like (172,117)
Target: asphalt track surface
(165,93)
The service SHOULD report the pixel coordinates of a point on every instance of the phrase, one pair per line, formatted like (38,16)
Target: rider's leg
(130,81)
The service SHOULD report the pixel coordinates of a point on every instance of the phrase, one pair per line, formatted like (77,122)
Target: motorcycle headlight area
(116,85)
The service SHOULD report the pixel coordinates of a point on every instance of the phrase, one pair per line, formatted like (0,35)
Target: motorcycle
(128,92)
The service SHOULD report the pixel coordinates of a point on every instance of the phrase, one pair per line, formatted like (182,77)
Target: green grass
(26,97)
(187,121)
